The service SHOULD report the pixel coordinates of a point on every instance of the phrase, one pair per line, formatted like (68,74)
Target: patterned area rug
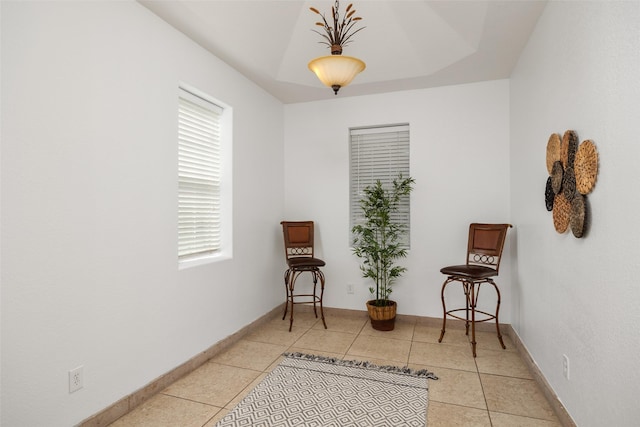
(306,390)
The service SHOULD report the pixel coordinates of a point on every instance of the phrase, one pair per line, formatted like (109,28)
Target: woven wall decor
(569,183)
(586,167)
(573,169)
(561,213)
(577,216)
(549,195)
(556,177)
(553,151)
(568,148)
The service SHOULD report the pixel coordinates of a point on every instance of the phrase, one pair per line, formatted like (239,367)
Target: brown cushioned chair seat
(470,271)
(305,262)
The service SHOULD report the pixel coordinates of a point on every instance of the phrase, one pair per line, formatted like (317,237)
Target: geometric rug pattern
(307,390)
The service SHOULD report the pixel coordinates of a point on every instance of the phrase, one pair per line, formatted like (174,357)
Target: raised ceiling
(406,45)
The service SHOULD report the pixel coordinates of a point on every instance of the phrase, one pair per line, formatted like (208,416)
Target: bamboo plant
(378,241)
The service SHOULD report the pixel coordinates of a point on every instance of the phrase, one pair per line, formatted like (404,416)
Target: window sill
(202,260)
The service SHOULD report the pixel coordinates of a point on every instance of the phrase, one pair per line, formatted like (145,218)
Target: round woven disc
(556,177)
(586,167)
(578,213)
(568,148)
(569,184)
(553,151)
(561,213)
(549,195)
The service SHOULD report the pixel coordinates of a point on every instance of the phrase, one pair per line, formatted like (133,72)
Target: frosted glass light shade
(336,71)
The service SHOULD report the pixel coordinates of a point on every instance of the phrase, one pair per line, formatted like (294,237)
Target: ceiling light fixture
(335,70)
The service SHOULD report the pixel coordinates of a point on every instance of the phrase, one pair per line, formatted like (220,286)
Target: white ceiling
(407,44)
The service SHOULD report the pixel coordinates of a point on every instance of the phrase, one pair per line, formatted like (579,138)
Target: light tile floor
(494,389)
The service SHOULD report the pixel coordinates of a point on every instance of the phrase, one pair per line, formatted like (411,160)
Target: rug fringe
(357,363)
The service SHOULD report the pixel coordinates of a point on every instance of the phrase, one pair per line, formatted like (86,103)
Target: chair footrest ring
(489,316)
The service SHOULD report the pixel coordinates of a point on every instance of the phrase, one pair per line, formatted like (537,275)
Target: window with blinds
(199,170)
(378,153)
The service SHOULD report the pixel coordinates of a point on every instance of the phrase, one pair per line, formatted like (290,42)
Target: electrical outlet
(76,379)
(565,366)
(350,288)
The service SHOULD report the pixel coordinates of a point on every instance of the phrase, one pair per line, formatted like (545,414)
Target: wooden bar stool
(484,251)
(298,248)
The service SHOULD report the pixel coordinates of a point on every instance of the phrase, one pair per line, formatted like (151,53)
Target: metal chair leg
(314,275)
(321,276)
(467,294)
(286,287)
(290,297)
(473,318)
(496,316)
(444,309)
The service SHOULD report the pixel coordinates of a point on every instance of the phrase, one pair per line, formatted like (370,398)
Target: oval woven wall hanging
(569,183)
(568,148)
(549,195)
(573,170)
(586,167)
(553,151)
(561,213)
(556,177)
(578,214)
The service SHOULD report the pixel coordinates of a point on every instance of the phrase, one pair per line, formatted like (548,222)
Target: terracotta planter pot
(383,318)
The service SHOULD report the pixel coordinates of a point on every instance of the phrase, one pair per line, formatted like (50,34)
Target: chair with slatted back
(484,252)
(300,257)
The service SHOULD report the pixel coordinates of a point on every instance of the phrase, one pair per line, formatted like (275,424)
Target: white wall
(459,159)
(571,296)
(89,147)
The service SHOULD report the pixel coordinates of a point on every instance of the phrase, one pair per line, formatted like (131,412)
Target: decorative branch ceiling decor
(573,169)
(335,70)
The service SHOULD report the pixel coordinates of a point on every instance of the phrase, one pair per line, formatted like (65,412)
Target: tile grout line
(413,334)
(484,394)
(356,335)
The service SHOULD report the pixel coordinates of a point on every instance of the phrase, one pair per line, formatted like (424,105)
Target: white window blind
(199,210)
(378,153)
